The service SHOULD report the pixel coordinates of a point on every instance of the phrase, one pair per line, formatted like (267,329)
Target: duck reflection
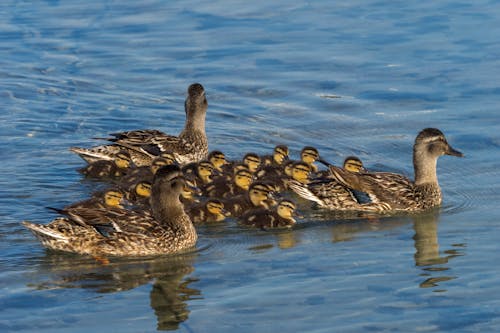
(427,253)
(171,286)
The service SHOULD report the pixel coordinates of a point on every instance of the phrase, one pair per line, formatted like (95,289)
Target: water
(358,77)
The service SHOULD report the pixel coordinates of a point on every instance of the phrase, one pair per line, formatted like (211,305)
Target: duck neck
(425,168)
(166,209)
(195,120)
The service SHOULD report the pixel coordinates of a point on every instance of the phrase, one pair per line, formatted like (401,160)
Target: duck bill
(453,152)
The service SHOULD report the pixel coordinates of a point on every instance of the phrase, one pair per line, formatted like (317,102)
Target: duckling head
(122,159)
(169,157)
(301,171)
(309,155)
(113,198)
(286,209)
(243,178)
(218,159)
(259,193)
(280,154)
(143,189)
(353,164)
(287,166)
(216,207)
(157,163)
(205,171)
(252,161)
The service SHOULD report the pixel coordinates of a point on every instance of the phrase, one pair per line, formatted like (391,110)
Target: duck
(210,211)
(166,230)
(103,169)
(191,145)
(221,187)
(397,192)
(281,216)
(329,194)
(259,194)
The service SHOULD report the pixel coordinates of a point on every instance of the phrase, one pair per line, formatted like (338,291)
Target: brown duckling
(210,211)
(220,187)
(259,195)
(281,216)
(115,168)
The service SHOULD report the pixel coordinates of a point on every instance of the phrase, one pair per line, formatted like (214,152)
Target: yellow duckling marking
(243,179)
(259,194)
(113,198)
(157,163)
(143,189)
(252,161)
(216,208)
(122,160)
(353,164)
(286,209)
(288,168)
(168,157)
(205,171)
(301,172)
(280,154)
(218,159)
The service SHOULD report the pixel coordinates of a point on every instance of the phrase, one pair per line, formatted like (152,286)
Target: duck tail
(44,233)
(95,153)
(303,191)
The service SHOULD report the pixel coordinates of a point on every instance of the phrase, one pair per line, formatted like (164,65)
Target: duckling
(220,187)
(218,160)
(280,154)
(190,146)
(301,172)
(282,216)
(110,198)
(310,155)
(190,194)
(168,229)
(259,195)
(272,170)
(351,163)
(199,174)
(397,192)
(209,211)
(252,161)
(115,168)
(138,195)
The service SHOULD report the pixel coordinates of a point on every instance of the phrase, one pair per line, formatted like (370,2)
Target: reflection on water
(169,277)
(427,254)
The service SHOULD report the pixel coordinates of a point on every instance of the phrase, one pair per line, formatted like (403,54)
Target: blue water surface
(359,77)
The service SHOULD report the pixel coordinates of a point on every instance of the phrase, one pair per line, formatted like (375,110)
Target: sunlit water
(354,77)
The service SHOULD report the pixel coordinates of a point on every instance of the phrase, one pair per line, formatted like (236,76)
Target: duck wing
(385,187)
